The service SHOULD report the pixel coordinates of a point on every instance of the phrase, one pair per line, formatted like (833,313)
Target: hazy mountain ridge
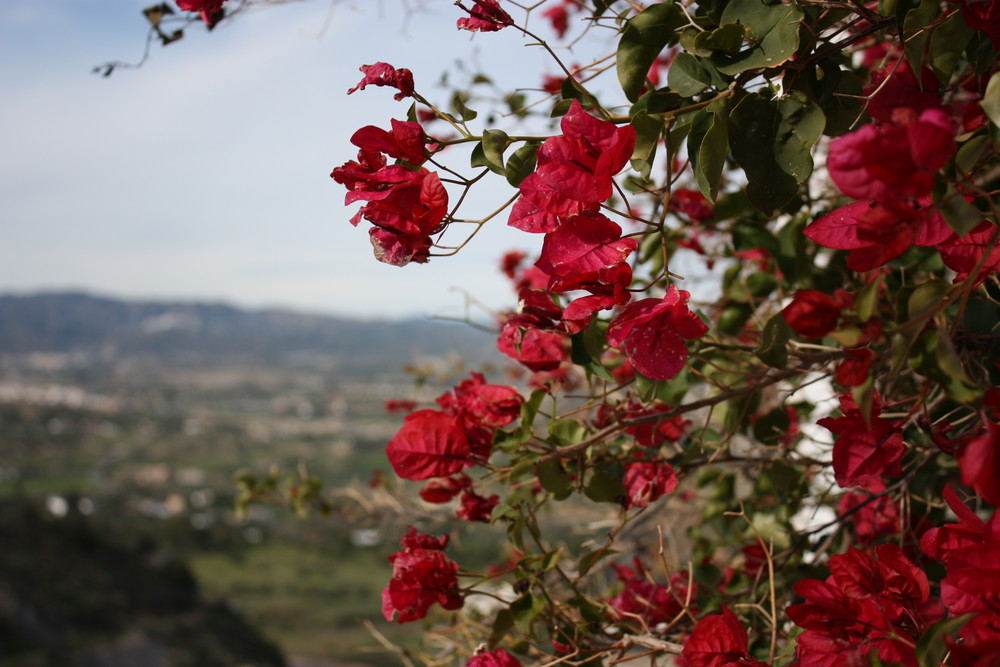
(72,322)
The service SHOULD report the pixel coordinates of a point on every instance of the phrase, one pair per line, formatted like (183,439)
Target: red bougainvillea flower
(962,255)
(210,10)
(583,244)
(897,161)
(574,172)
(646,481)
(983,15)
(406,206)
(405,141)
(476,403)
(558,17)
(870,603)
(877,232)
(384,74)
(853,370)
(864,452)
(476,507)
(969,551)
(430,444)
(873,516)
(642,600)
(399,406)
(441,490)
(901,91)
(653,432)
(650,332)
(485,16)
(719,640)
(692,204)
(815,314)
(495,658)
(421,576)
(608,288)
(979,461)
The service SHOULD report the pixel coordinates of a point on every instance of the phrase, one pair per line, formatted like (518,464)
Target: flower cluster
(421,577)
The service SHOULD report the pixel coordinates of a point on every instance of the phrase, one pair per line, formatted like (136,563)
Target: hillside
(93,327)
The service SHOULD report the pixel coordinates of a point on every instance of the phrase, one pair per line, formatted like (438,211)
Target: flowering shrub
(798,464)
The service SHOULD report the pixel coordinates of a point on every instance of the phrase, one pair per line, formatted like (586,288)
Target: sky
(204,175)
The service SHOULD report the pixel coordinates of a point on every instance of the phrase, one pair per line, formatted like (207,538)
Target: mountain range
(193,332)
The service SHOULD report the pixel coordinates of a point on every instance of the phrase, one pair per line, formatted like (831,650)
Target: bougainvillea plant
(798,461)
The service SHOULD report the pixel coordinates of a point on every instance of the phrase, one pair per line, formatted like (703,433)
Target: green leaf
(747,236)
(753,136)
(644,37)
(948,42)
(956,382)
(494,143)
(587,347)
(733,317)
(502,625)
(459,107)
(647,136)
(555,480)
(524,610)
(592,558)
(727,37)
(971,152)
(802,123)
(773,349)
(566,432)
(604,487)
(529,409)
(686,76)
(521,163)
(867,299)
(912,21)
(931,650)
(708,146)
(773,31)
(960,215)
(991,100)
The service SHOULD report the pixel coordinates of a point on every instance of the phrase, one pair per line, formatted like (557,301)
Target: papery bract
(651,333)
(863,452)
(812,313)
(495,658)
(653,603)
(430,444)
(719,640)
(421,576)
(384,74)
(647,481)
(476,507)
(485,16)
(583,244)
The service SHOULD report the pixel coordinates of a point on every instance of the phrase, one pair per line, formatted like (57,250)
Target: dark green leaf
(773,31)
(686,76)
(644,37)
(555,480)
(708,146)
(566,432)
(521,163)
(604,487)
(753,135)
(913,21)
(960,215)
(991,100)
(773,349)
(802,123)
(591,558)
(524,610)
(747,236)
(727,37)
(459,107)
(948,42)
(530,408)
(647,136)
(502,625)
(931,650)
